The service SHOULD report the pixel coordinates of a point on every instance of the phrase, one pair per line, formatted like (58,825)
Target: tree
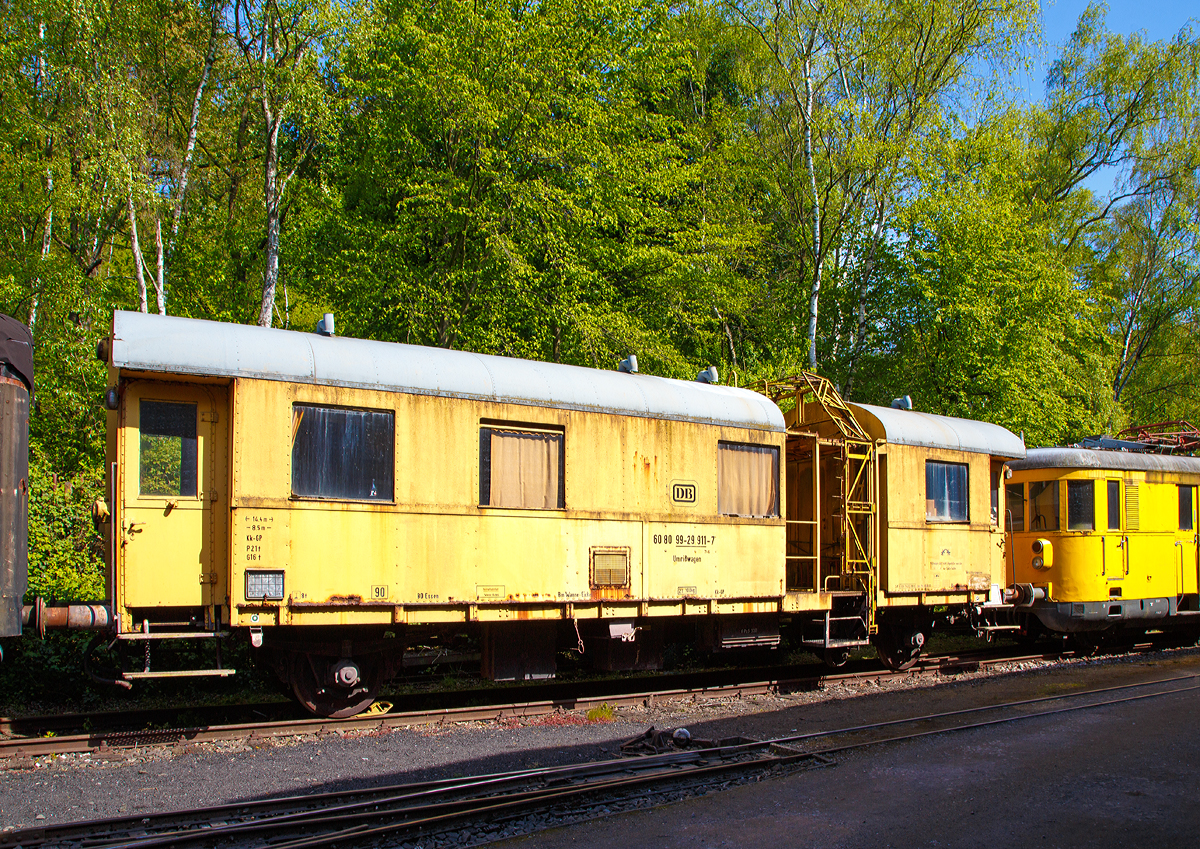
(846,90)
(281,44)
(987,322)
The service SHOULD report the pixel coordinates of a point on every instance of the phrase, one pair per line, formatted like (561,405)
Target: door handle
(134,529)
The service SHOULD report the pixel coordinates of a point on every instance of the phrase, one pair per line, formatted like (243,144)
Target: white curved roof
(156,343)
(908,427)
(1086,458)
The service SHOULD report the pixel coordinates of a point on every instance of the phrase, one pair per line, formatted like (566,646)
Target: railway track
(471,810)
(101,739)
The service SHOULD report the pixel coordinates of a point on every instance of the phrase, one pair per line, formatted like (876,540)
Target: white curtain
(526,469)
(747,480)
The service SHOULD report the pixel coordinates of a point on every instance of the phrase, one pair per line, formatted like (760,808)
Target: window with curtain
(1043,506)
(946,492)
(343,454)
(521,469)
(167,448)
(747,480)
(1081,505)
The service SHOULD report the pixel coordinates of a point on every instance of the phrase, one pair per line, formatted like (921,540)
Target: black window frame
(1115,496)
(1081,505)
(1186,507)
(1056,501)
(489,426)
(1015,521)
(966,500)
(189,459)
(324,490)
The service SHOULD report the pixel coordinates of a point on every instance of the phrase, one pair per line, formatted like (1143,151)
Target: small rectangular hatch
(610,567)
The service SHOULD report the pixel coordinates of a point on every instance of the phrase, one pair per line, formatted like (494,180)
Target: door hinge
(209,416)
(208,577)
(212,495)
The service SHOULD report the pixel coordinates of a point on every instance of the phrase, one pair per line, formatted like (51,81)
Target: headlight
(1043,554)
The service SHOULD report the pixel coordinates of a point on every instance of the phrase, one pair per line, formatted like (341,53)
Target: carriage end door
(1115,550)
(174,497)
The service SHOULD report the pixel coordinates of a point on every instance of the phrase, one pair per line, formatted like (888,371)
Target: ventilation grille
(610,567)
(1132,521)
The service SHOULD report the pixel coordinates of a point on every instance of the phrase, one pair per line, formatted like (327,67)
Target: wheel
(836,658)
(314,683)
(1030,632)
(1088,643)
(899,648)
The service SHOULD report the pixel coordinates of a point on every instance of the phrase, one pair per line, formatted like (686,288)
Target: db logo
(683,493)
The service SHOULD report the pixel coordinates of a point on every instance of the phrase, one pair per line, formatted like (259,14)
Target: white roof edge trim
(1064,457)
(928,430)
(173,345)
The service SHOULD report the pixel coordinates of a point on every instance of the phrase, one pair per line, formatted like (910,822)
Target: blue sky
(1159,19)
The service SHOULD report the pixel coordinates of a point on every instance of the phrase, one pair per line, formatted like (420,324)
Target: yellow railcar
(1104,539)
(896,512)
(327,492)
(941,552)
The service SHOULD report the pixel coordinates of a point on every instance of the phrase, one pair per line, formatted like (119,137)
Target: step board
(179,673)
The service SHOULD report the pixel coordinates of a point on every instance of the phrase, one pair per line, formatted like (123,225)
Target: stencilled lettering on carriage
(688,540)
(259,537)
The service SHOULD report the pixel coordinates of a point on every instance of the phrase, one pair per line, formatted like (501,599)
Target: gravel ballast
(81,787)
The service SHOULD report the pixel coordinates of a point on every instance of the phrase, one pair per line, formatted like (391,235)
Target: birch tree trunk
(136,248)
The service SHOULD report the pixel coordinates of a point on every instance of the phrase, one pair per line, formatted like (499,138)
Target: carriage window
(946,492)
(521,468)
(342,454)
(1081,505)
(1185,508)
(1014,504)
(1043,506)
(1114,505)
(747,480)
(167,448)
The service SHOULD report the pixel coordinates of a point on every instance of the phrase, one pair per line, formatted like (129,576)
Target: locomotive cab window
(1081,505)
(1043,506)
(342,454)
(521,468)
(1185,508)
(946,492)
(167,449)
(747,480)
(1114,505)
(1014,505)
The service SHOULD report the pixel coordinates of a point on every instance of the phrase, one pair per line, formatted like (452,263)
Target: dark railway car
(16,390)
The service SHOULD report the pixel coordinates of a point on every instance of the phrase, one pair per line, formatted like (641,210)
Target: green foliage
(65,552)
(991,326)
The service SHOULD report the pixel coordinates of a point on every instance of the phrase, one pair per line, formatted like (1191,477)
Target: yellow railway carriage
(897,513)
(942,544)
(1104,539)
(323,492)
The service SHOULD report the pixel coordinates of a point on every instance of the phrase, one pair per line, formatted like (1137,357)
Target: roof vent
(325,325)
(904,403)
(709,375)
(629,365)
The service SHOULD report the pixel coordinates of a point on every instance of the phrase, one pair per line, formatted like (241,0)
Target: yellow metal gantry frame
(815,412)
